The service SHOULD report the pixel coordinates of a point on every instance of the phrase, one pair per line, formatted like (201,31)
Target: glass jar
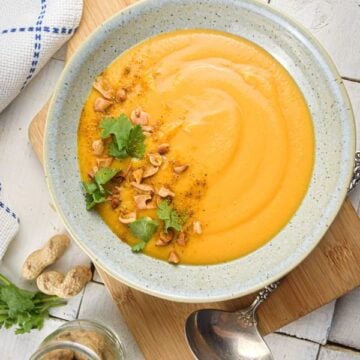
(80,340)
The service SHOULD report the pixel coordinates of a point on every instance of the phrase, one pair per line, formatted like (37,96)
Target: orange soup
(211,141)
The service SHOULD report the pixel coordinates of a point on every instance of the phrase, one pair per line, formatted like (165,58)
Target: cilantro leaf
(16,299)
(172,219)
(143,229)
(135,146)
(138,246)
(104,175)
(119,127)
(114,151)
(94,190)
(28,310)
(127,140)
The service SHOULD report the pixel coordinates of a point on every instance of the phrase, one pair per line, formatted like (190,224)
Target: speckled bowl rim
(261,284)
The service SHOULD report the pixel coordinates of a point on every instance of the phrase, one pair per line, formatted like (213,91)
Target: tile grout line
(350,79)
(342,346)
(297,337)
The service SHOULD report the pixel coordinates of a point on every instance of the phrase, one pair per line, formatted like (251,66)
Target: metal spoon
(222,335)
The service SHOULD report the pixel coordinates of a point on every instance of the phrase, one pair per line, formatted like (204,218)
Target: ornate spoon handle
(356,175)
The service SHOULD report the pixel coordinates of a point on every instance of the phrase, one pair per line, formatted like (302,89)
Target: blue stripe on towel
(54,30)
(37,43)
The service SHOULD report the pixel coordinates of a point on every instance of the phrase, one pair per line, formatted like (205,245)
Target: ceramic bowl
(333,123)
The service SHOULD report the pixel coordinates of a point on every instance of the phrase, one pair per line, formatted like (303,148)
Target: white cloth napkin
(31,31)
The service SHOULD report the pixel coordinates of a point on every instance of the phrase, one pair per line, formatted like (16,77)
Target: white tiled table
(330,333)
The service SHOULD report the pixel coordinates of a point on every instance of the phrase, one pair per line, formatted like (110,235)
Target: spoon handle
(263,295)
(356,175)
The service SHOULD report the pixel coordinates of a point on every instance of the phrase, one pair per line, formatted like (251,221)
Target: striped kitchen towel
(9,225)
(31,31)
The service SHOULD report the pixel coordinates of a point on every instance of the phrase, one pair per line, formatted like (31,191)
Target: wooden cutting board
(331,270)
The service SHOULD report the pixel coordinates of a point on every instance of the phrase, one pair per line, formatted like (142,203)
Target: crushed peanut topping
(98,147)
(181,239)
(121,95)
(104,88)
(104,162)
(163,149)
(139,117)
(150,171)
(180,168)
(93,171)
(141,201)
(138,175)
(164,238)
(173,257)
(197,227)
(130,217)
(101,104)
(147,128)
(165,192)
(155,159)
(143,187)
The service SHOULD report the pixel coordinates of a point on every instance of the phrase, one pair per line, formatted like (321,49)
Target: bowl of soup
(203,156)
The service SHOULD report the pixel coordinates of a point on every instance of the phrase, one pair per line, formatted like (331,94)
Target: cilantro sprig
(172,218)
(25,309)
(143,229)
(95,191)
(127,140)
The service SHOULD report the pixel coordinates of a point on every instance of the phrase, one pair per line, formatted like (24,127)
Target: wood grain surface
(330,271)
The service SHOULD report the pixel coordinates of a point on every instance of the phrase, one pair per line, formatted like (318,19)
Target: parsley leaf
(172,219)
(26,309)
(94,190)
(143,229)
(127,140)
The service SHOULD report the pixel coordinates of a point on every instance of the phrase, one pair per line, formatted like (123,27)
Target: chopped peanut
(100,104)
(121,95)
(165,192)
(150,171)
(139,117)
(93,171)
(155,159)
(163,149)
(142,200)
(180,168)
(103,87)
(131,217)
(143,187)
(181,239)
(138,175)
(173,257)
(104,162)
(115,202)
(164,238)
(147,128)
(197,227)
(98,147)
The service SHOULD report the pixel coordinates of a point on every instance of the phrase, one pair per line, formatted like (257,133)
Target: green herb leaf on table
(172,219)
(143,229)
(94,190)
(127,140)
(25,309)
